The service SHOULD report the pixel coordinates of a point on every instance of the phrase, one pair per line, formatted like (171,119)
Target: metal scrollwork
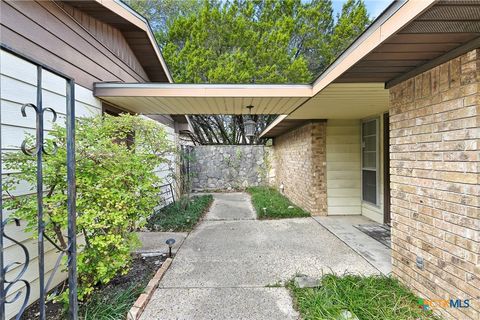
(55,147)
(40,145)
(18,278)
(38,150)
(9,284)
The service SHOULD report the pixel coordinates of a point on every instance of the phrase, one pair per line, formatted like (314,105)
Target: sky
(374,7)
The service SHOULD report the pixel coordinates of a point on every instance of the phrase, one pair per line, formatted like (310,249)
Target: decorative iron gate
(39,151)
(186,155)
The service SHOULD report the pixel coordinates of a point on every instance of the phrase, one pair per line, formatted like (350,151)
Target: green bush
(116,190)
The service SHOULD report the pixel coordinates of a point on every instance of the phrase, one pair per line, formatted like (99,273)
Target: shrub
(116,190)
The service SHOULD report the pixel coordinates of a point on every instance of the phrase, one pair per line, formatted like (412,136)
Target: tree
(162,13)
(250,41)
(350,24)
(227,129)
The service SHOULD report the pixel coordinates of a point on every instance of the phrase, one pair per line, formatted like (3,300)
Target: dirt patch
(141,271)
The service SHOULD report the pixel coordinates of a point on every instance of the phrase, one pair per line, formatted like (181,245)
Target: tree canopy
(249,41)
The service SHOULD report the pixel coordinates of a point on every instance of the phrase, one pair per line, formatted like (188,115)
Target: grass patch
(111,305)
(367,298)
(271,204)
(113,300)
(178,217)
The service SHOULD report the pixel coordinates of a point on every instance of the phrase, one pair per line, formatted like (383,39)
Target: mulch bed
(141,271)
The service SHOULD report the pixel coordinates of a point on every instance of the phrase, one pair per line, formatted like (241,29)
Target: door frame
(386,169)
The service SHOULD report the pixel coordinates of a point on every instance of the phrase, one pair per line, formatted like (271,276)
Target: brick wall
(434,123)
(300,164)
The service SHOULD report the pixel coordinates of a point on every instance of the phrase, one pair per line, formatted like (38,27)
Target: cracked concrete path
(227,266)
(231,206)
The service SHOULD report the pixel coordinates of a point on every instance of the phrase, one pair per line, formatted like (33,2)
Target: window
(370,161)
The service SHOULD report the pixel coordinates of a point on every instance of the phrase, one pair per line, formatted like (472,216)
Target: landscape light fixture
(249,124)
(170,242)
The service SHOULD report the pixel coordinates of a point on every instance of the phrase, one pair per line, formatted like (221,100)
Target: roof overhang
(136,31)
(336,101)
(161,98)
(344,101)
(408,38)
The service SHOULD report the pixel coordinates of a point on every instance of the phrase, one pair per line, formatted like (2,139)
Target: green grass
(112,304)
(178,216)
(271,204)
(368,298)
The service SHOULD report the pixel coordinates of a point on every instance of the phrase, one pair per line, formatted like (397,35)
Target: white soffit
(345,101)
(160,98)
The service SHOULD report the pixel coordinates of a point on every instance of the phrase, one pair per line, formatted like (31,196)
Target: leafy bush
(182,215)
(116,190)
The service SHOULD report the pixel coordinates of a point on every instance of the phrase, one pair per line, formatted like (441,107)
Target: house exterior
(389,131)
(88,41)
(427,177)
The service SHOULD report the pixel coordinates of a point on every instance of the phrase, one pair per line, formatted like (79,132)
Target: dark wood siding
(57,36)
(108,35)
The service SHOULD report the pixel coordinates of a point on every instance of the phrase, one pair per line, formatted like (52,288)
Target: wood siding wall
(109,36)
(68,40)
(343,167)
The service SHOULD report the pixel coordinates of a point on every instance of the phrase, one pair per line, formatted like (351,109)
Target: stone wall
(300,166)
(228,167)
(434,123)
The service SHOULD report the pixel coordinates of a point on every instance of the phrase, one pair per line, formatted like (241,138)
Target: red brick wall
(300,164)
(434,150)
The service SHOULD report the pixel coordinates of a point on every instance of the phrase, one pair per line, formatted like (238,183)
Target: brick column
(300,164)
(434,151)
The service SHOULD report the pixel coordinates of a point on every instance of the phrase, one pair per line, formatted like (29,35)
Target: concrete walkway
(230,266)
(372,250)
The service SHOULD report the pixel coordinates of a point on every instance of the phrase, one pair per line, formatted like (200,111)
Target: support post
(2,226)
(71,205)
(40,222)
